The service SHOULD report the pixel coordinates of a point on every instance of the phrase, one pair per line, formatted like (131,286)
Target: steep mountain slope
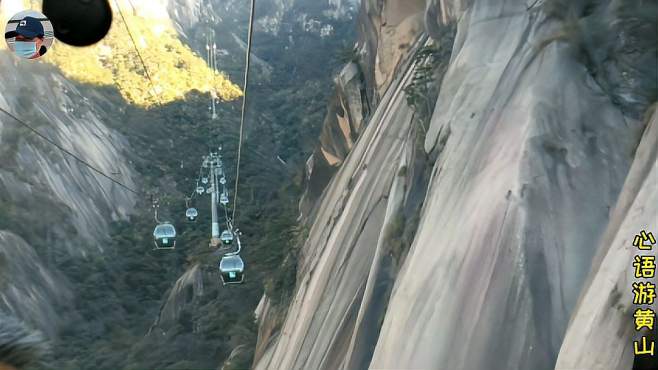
(507,234)
(76,257)
(51,205)
(348,250)
(530,143)
(334,265)
(600,319)
(476,159)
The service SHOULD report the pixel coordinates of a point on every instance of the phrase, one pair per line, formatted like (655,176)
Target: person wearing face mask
(28,38)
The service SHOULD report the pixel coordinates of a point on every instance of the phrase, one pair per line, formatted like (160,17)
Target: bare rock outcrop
(601,332)
(532,139)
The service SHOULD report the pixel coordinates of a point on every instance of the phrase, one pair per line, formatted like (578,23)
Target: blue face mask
(25,49)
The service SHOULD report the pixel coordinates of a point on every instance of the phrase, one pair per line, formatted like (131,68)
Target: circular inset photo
(29,34)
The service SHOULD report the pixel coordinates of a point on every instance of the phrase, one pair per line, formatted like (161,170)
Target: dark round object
(79,22)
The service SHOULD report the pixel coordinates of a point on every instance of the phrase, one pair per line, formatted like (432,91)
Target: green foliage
(394,237)
(431,62)
(120,286)
(172,66)
(119,293)
(426,59)
(348,54)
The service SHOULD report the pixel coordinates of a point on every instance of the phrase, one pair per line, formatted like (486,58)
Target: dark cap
(29,27)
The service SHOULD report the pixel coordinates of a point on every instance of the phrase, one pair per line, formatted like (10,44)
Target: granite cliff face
(388,32)
(527,156)
(600,319)
(47,198)
(482,169)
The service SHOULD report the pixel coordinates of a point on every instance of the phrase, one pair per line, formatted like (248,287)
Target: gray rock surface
(344,122)
(388,29)
(532,156)
(28,288)
(532,149)
(34,166)
(188,287)
(601,332)
(346,242)
(48,197)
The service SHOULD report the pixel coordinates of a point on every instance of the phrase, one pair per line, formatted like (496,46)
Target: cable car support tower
(216,171)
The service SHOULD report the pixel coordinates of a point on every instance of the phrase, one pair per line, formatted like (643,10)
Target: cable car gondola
(204,180)
(200,190)
(223,199)
(227,237)
(164,236)
(191,214)
(231,268)
(222,180)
